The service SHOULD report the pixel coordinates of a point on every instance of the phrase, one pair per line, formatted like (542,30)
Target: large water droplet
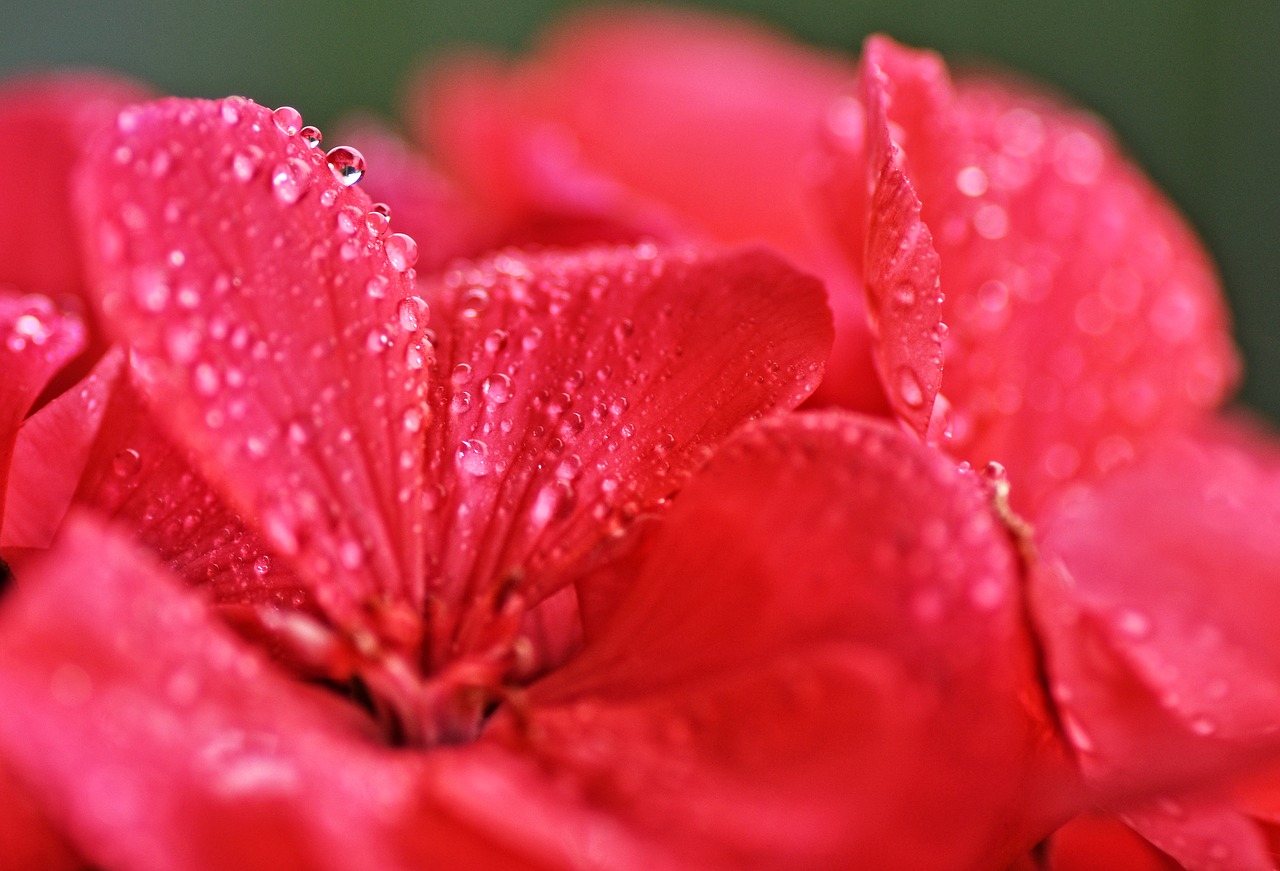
(347,164)
(288,119)
(473,457)
(126,463)
(402,252)
(289,180)
(311,136)
(909,389)
(497,388)
(412,312)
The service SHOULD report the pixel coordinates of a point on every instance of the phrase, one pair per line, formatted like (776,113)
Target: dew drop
(377,224)
(262,565)
(351,554)
(497,388)
(289,180)
(909,389)
(402,252)
(414,356)
(461,374)
(412,420)
(311,136)
(412,312)
(347,164)
(1134,624)
(126,463)
(288,119)
(473,457)
(376,342)
(244,165)
(376,287)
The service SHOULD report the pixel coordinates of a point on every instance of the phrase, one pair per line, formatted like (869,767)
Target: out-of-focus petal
(1157,604)
(1097,843)
(157,741)
(1203,832)
(674,120)
(36,340)
(50,120)
(264,318)
(28,840)
(49,457)
(822,664)
(579,390)
(1083,314)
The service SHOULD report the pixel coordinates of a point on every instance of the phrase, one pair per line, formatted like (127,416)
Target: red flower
(419,490)
(507,562)
(1033,301)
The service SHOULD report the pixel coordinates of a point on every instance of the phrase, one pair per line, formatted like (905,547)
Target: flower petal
(580,390)
(1097,843)
(1204,833)
(49,457)
(49,120)
(263,315)
(822,664)
(36,340)
(157,741)
(666,120)
(1159,627)
(900,266)
(1083,313)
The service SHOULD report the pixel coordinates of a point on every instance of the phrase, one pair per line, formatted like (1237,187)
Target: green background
(1192,86)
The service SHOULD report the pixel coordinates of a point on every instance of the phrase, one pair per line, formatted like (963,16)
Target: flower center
(427,680)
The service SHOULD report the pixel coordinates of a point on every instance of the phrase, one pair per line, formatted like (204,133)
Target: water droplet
(376,287)
(206,379)
(402,252)
(554,502)
(1134,624)
(288,119)
(532,339)
(377,224)
(473,457)
(262,565)
(413,312)
(126,463)
(376,342)
(1203,726)
(414,356)
(461,374)
(972,181)
(347,164)
(289,180)
(460,403)
(495,341)
(497,388)
(230,113)
(412,420)
(351,554)
(311,136)
(909,389)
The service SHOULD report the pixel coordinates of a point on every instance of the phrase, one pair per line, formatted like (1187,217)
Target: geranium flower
(444,497)
(1032,301)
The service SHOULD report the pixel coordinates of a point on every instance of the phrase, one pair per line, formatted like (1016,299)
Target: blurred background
(1192,86)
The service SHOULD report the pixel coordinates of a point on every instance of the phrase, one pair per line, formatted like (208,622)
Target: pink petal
(1159,624)
(1083,313)
(1204,833)
(578,391)
(264,316)
(822,665)
(50,454)
(36,340)
(157,741)
(49,120)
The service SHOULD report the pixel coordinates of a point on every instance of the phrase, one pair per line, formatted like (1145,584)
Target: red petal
(1095,843)
(264,314)
(28,842)
(710,119)
(900,265)
(36,341)
(50,455)
(1083,313)
(1161,635)
(1204,833)
(580,390)
(158,742)
(820,666)
(49,120)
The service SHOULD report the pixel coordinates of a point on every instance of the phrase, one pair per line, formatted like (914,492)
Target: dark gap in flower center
(6,577)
